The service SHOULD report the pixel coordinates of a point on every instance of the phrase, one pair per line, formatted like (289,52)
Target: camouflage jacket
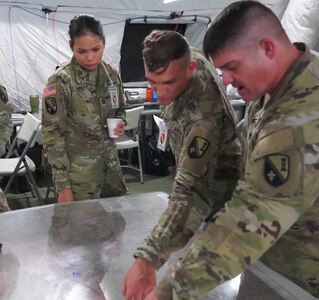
(202,133)
(5,119)
(274,213)
(76,104)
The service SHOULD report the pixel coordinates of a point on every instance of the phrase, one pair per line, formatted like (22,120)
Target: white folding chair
(131,141)
(15,164)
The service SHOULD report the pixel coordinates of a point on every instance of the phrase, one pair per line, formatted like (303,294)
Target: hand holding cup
(115,126)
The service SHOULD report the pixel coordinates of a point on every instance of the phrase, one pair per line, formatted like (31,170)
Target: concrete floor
(19,200)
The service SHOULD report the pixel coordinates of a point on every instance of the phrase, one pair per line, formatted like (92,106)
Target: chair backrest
(133,116)
(30,124)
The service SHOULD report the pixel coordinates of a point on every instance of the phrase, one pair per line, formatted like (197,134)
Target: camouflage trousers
(112,186)
(90,181)
(3,202)
(107,181)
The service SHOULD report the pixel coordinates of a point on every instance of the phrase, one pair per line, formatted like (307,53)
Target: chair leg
(129,156)
(48,192)
(140,164)
(33,184)
(35,189)
(32,189)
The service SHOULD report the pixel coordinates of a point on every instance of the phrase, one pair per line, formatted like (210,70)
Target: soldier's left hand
(119,129)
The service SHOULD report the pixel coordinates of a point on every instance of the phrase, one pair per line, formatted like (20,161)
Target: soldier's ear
(191,67)
(268,47)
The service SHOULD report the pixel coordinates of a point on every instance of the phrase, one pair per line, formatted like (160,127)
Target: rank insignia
(276,169)
(198,147)
(50,105)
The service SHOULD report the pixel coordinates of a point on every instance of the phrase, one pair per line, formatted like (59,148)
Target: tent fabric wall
(301,21)
(201,7)
(33,43)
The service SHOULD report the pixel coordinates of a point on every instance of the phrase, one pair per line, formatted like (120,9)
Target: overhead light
(168,1)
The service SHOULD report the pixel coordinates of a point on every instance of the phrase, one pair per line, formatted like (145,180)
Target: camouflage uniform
(76,104)
(202,132)
(5,133)
(274,212)
(5,119)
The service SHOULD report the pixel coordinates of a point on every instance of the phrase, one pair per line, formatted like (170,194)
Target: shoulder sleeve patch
(197,147)
(277,174)
(276,169)
(51,105)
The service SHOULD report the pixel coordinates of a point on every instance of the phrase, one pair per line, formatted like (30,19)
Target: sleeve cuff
(142,254)
(61,184)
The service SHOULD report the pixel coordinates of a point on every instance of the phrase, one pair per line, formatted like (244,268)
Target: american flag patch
(49,91)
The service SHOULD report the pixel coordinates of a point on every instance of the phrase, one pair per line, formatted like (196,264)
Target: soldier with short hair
(274,211)
(6,132)
(79,97)
(202,133)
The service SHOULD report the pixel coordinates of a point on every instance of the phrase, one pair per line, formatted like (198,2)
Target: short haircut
(239,23)
(161,47)
(84,24)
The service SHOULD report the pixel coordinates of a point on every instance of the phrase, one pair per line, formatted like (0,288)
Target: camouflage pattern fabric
(5,119)
(274,212)
(4,206)
(5,134)
(76,104)
(202,133)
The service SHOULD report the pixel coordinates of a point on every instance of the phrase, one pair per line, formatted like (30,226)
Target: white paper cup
(111,124)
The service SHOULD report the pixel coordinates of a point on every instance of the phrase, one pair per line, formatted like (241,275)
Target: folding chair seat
(15,164)
(130,139)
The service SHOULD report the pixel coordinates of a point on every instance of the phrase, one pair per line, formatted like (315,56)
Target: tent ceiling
(200,7)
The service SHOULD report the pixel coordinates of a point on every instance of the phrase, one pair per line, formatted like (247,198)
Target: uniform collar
(297,68)
(83,76)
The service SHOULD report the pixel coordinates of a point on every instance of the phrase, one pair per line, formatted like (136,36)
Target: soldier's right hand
(139,281)
(65,195)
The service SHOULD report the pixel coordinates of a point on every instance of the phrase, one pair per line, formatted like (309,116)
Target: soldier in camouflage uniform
(5,119)
(202,132)
(76,104)
(274,212)
(5,133)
